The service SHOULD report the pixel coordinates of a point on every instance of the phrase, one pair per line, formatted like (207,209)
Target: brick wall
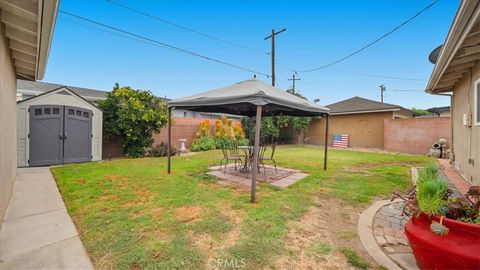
(415,136)
(184,128)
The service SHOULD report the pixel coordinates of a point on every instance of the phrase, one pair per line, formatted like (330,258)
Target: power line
(377,75)
(373,42)
(164,45)
(186,28)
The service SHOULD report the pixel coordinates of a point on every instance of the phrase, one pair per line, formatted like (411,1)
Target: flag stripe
(340,141)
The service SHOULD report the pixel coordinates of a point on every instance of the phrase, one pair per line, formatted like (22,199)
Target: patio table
(247,149)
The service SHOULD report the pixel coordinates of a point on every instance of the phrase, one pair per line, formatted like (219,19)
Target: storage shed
(58,127)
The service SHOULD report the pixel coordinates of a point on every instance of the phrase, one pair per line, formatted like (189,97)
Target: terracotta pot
(459,249)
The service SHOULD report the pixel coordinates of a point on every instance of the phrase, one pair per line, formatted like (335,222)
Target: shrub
(160,150)
(134,115)
(429,173)
(224,129)
(430,195)
(225,135)
(203,143)
(203,129)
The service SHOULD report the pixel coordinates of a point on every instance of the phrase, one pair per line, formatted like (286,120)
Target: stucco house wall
(466,140)
(8,151)
(365,130)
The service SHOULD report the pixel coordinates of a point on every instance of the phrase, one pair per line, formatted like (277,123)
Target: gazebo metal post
(169,153)
(326,144)
(258,125)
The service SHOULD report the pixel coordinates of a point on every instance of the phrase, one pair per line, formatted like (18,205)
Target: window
(46,111)
(38,112)
(56,111)
(476,103)
(71,111)
(85,114)
(78,113)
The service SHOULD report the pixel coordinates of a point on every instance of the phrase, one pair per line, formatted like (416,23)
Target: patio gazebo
(249,98)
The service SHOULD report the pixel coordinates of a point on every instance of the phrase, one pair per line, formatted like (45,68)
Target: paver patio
(282,178)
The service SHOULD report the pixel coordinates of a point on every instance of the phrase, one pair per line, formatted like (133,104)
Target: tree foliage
(419,111)
(271,126)
(134,115)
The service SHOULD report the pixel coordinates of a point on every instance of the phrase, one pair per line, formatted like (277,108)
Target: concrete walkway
(37,232)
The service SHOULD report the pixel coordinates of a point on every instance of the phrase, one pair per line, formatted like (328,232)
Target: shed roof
(43,87)
(242,99)
(360,105)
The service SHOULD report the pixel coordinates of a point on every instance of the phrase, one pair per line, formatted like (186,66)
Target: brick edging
(365,232)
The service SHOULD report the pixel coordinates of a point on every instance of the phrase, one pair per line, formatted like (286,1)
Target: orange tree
(134,115)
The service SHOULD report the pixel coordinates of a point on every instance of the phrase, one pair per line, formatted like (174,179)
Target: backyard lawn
(131,215)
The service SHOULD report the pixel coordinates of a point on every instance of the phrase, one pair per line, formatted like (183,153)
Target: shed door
(78,135)
(46,135)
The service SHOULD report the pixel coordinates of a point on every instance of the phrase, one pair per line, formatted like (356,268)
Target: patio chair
(234,151)
(261,153)
(227,157)
(263,159)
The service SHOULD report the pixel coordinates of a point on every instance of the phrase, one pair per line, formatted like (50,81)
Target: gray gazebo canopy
(249,98)
(243,98)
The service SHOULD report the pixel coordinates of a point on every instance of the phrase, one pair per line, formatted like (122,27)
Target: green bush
(160,150)
(430,195)
(134,115)
(203,143)
(431,190)
(429,173)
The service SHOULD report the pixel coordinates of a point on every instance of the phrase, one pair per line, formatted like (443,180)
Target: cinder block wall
(416,135)
(365,130)
(8,128)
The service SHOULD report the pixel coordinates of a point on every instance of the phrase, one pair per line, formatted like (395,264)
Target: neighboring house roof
(438,110)
(460,50)
(36,88)
(29,29)
(361,105)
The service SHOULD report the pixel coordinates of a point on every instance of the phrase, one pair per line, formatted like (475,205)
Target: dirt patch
(156,213)
(81,181)
(139,213)
(135,267)
(144,197)
(189,213)
(108,197)
(232,236)
(314,241)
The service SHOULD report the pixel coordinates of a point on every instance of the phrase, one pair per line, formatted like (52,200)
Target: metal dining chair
(227,157)
(270,158)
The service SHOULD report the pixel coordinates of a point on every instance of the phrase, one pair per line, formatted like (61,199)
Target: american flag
(340,140)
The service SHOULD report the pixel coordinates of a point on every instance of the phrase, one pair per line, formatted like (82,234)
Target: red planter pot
(459,249)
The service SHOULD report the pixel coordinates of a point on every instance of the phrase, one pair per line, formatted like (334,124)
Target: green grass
(319,247)
(131,213)
(354,259)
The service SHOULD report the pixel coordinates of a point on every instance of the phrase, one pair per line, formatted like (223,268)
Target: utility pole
(382,89)
(294,79)
(272,36)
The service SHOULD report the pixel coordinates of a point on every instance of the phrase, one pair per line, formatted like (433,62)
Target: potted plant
(444,231)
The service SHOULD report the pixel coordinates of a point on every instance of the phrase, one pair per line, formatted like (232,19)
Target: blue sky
(318,32)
